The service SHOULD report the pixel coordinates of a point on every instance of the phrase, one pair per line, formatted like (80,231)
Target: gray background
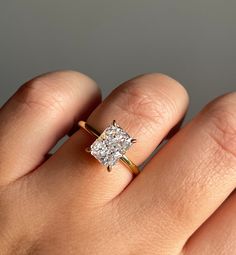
(193,41)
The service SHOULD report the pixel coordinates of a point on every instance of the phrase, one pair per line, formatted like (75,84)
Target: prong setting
(111,145)
(109,168)
(114,123)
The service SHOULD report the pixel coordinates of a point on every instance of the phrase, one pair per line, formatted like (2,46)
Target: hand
(181,203)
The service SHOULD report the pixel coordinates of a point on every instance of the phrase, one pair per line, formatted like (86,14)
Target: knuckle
(49,91)
(221,119)
(142,102)
(38,95)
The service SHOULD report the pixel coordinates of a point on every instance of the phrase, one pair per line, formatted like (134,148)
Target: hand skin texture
(182,203)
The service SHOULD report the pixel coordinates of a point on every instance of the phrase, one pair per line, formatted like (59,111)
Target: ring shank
(124,159)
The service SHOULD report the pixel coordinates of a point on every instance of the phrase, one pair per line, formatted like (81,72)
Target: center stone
(111,145)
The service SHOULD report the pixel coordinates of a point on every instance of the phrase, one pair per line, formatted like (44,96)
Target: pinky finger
(218,234)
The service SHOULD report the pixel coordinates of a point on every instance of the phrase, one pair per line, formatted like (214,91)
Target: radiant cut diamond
(111,145)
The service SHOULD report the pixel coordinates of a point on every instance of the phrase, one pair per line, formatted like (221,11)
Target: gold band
(124,159)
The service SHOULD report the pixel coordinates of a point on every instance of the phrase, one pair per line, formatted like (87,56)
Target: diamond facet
(111,145)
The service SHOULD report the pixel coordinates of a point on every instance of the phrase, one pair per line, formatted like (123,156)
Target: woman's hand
(181,203)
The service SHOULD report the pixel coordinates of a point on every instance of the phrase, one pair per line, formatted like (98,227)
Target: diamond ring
(111,146)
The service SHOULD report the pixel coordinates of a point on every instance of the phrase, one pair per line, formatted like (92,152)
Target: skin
(183,202)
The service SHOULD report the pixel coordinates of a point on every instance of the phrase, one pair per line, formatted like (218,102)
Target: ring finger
(147,107)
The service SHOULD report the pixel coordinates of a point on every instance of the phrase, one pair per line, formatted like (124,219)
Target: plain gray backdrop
(112,41)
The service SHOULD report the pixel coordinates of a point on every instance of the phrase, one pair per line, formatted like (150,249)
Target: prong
(109,168)
(88,149)
(114,123)
(133,140)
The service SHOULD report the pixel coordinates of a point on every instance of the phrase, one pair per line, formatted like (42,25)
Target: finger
(217,235)
(38,115)
(188,179)
(147,107)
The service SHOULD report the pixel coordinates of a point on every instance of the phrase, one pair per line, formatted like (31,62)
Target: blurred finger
(188,179)
(218,234)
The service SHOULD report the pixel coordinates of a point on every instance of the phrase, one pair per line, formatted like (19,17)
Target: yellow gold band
(124,159)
